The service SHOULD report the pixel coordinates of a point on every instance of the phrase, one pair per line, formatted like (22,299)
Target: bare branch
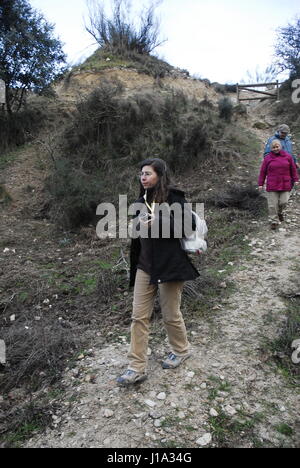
(119,32)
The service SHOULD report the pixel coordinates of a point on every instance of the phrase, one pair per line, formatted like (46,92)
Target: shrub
(76,195)
(17,129)
(244,198)
(111,132)
(36,357)
(240,109)
(225,109)
(230,88)
(4,195)
(224,88)
(119,33)
(34,352)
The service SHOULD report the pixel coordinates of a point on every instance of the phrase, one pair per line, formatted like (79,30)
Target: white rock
(213,412)
(229,410)
(161,396)
(108,413)
(204,440)
(191,374)
(150,403)
(203,385)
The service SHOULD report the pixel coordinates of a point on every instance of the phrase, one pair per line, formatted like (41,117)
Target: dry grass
(245,198)
(36,351)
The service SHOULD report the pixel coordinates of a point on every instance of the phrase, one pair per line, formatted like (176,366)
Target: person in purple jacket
(279,169)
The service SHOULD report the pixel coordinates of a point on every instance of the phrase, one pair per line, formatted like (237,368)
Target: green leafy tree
(287,48)
(30,56)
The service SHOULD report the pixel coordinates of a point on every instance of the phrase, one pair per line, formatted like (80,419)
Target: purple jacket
(280,171)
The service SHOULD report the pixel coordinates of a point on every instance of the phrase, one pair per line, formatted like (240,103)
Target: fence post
(2,95)
(2,352)
(277,84)
(237,93)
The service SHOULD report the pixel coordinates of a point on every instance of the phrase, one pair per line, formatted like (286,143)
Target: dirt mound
(80,83)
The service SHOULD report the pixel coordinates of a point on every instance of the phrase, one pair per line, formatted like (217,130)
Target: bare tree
(262,76)
(287,48)
(119,32)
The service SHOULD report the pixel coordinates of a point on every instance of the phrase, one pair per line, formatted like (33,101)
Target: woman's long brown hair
(160,192)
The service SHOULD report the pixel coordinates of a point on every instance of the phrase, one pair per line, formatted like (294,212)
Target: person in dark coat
(285,141)
(158,264)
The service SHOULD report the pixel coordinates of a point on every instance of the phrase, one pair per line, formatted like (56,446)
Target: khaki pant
(143,302)
(277,202)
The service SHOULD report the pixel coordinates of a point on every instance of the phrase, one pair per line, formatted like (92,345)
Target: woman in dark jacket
(158,263)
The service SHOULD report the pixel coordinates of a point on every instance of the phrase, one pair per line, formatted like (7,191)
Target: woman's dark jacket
(168,261)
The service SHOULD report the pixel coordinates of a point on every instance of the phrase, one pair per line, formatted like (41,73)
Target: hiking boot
(131,377)
(173,361)
(281,217)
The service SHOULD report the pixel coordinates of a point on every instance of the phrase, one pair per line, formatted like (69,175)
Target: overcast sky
(216,39)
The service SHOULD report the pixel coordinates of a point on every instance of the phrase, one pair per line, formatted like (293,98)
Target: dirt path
(230,389)
(229,393)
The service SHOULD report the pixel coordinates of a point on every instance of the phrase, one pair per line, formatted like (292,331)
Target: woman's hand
(260,188)
(147,218)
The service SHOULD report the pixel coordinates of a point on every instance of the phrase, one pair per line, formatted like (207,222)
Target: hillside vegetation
(62,288)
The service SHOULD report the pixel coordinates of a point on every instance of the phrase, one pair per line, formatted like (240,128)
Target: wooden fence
(262,94)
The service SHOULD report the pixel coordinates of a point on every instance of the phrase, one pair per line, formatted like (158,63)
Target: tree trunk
(7,98)
(21,99)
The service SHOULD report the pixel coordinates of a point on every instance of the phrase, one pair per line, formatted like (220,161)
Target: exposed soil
(80,84)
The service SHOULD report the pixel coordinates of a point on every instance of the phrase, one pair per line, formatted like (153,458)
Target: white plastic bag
(195,243)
